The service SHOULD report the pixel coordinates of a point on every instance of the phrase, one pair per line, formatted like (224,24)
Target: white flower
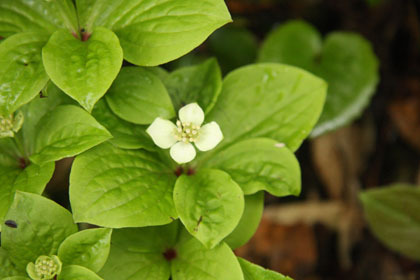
(187,130)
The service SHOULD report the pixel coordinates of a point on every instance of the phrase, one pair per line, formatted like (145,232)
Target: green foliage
(251,217)
(210,205)
(22,75)
(254,272)
(267,100)
(155,32)
(233,46)
(88,248)
(41,226)
(139,96)
(76,272)
(42,16)
(117,188)
(345,60)
(393,216)
(124,134)
(260,164)
(201,83)
(66,131)
(83,69)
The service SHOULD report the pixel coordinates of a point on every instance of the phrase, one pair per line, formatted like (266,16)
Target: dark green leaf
(393,215)
(201,83)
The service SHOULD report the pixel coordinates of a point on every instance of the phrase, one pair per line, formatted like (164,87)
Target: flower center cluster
(186,132)
(6,124)
(46,267)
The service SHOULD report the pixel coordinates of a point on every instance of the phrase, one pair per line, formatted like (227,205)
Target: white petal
(182,152)
(191,113)
(209,136)
(162,132)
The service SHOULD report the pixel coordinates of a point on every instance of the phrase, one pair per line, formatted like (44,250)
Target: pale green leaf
(83,69)
(41,226)
(194,261)
(201,84)
(38,16)
(116,188)
(22,75)
(66,131)
(210,205)
(268,100)
(393,215)
(254,272)
(88,248)
(260,164)
(139,96)
(124,134)
(155,32)
(345,60)
(254,206)
(76,272)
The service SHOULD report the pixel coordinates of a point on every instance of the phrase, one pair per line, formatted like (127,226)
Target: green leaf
(16,278)
(152,33)
(201,83)
(254,206)
(210,205)
(345,60)
(22,75)
(268,100)
(125,135)
(194,261)
(139,96)
(32,179)
(36,109)
(45,16)
(66,131)
(254,272)
(393,215)
(117,188)
(8,268)
(83,69)
(137,253)
(41,225)
(224,45)
(260,164)
(76,272)
(88,248)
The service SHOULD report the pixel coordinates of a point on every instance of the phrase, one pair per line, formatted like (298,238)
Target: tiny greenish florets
(6,123)
(45,268)
(186,132)
(10,124)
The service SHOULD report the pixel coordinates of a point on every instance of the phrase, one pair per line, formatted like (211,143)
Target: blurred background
(323,233)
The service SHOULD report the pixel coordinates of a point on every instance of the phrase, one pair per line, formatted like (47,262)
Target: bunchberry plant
(40,241)
(176,211)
